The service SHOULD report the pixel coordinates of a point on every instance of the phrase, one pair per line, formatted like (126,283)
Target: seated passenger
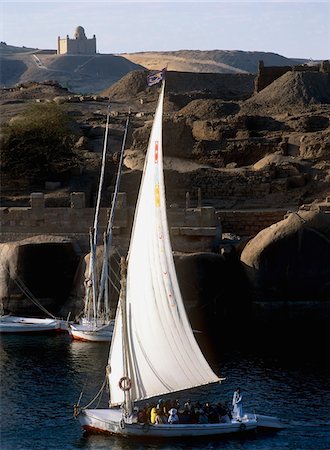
(163,406)
(160,418)
(223,414)
(188,405)
(153,414)
(213,415)
(173,416)
(184,415)
(202,417)
(142,416)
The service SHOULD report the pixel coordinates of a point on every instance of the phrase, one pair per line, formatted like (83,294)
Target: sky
(297,29)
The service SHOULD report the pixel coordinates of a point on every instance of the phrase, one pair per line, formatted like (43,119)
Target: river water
(42,377)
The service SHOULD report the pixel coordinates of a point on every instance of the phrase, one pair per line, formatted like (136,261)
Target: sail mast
(103,290)
(91,282)
(126,349)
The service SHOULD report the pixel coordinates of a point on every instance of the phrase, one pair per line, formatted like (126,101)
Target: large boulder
(38,268)
(315,146)
(210,108)
(214,289)
(290,259)
(178,138)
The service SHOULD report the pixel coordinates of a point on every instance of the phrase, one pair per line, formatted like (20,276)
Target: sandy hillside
(154,61)
(78,73)
(88,74)
(214,61)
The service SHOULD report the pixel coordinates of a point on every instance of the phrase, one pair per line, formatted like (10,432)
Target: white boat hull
(111,421)
(91,333)
(15,324)
(269,422)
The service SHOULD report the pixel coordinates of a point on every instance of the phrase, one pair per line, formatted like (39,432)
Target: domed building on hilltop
(79,45)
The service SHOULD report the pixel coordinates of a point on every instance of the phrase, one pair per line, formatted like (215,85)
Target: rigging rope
(97,395)
(24,289)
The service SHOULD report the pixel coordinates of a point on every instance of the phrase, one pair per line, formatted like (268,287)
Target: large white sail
(164,356)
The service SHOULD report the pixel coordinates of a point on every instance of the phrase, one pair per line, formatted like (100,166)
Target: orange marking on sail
(157,195)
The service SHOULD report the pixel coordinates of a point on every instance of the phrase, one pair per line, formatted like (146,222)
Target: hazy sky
(294,29)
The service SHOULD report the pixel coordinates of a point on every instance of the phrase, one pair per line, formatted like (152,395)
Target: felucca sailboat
(96,325)
(153,349)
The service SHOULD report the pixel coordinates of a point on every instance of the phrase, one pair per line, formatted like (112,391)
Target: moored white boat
(16,324)
(92,332)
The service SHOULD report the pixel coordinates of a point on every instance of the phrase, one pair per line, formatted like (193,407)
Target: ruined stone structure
(79,45)
(192,229)
(266,75)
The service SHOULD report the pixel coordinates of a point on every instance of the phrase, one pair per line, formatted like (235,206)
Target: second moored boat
(96,325)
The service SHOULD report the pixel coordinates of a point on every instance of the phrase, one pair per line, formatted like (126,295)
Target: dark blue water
(42,377)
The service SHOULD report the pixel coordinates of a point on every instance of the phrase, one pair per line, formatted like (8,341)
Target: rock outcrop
(42,268)
(290,92)
(289,261)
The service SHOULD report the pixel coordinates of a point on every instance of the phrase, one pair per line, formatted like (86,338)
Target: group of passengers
(172,412)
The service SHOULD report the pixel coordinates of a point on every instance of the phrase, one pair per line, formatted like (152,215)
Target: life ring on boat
(242,427)
(145,427)
(122,424)
(125,383)
(88,282)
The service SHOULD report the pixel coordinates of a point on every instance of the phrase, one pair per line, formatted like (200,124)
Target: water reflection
(89,360)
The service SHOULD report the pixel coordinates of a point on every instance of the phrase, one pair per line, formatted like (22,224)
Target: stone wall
(192,229)
(249,222)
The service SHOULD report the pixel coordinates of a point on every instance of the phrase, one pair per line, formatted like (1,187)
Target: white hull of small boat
(15,324)
(269,422)
(88,332)
(112,422)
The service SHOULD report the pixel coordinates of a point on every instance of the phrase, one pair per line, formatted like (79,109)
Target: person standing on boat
(237,404)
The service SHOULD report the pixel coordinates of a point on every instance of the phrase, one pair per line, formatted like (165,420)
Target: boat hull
(269,422)
(112,422)
(90,333)
(15,324)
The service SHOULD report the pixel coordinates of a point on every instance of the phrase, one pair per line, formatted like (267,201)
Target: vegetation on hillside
(38,144)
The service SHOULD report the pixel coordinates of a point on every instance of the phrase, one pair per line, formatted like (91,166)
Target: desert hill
(95,73)
(9,49)
(214,61)
(78,73)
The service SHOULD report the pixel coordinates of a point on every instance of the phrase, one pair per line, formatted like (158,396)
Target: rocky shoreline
(228,150)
